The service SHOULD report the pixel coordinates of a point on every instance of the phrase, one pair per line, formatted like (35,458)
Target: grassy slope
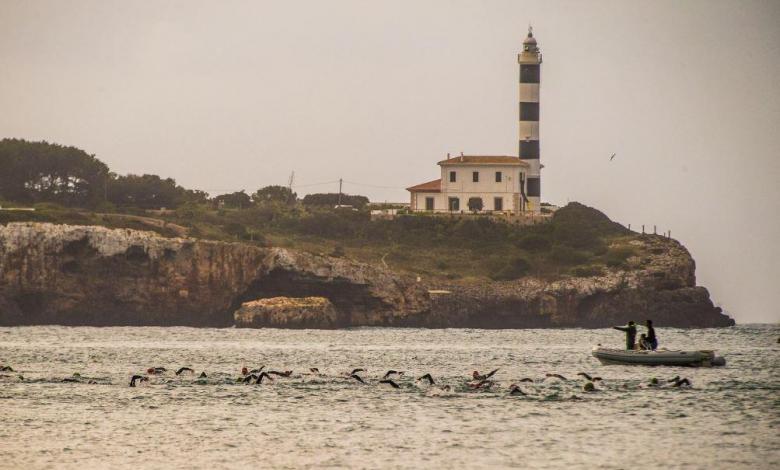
(579,241)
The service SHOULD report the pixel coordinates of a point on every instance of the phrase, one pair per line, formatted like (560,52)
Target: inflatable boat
(661,357)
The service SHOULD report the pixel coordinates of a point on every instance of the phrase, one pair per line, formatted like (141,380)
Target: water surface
(728,419)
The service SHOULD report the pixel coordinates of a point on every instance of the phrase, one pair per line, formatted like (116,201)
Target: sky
(232,95)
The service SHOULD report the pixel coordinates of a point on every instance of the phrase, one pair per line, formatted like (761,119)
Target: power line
(315,184)
(372,185)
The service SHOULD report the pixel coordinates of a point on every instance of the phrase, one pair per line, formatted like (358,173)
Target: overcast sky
(236,95)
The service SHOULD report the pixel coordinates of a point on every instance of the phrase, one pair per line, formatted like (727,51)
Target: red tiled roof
(429,187)
(483,159)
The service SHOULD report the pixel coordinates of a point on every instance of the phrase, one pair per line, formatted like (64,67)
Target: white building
(495,183)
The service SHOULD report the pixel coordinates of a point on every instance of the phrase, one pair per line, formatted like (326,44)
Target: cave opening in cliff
(349,299)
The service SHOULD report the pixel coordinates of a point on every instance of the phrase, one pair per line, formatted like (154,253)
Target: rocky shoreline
(92,275)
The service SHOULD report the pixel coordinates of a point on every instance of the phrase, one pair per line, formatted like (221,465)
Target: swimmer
(244,371)
(257,371)
(392,372)
(390,382)
(427,377)
(314,370)
(202,375)
(514,390)
(286,373)
(588,377)
(263,375)
(482,383)
(249,378)
(678,382)
(589,387)
(7,369)
(653,382)
(355,371)
(138,378)
(184,369)
(556,376)
(155,370)
(477,376)
(357,377)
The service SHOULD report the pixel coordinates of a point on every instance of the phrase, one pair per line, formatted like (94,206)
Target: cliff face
(660,286)
(89,275)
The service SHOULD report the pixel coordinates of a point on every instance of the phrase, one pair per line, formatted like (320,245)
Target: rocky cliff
(90,275)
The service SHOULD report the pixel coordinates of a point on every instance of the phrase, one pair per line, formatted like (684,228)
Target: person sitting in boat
(630,334)
(652,340)
(643,345)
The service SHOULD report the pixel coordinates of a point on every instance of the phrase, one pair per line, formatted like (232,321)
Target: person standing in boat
(630,334)
(652,341)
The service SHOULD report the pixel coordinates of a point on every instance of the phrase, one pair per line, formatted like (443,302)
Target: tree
(332,199)
(238,200)
(43,172)
(274,194)
(147,192)
(475,204)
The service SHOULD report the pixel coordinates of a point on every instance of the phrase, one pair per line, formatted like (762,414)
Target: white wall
(487,179)
(439,201)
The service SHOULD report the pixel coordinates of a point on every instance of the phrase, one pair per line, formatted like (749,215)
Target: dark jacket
(651,334)
(651,339)
(630,335)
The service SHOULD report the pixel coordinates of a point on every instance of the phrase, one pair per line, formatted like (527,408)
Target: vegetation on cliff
(66,185)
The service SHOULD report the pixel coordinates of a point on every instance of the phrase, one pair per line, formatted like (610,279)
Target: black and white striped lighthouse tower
(530,60)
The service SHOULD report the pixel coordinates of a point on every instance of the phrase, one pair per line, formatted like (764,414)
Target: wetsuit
(651,339)
(630,335)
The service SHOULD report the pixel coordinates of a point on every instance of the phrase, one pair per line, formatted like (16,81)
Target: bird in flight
(612,157)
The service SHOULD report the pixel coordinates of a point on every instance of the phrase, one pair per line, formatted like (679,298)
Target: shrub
(568,256)
(475,204)
(513,268)
(587,271)
(583,228)
(617,255)
(534,242)
(235,229)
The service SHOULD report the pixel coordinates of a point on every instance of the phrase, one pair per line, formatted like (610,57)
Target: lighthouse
(530,60)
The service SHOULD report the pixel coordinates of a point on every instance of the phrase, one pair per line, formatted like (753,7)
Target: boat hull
(608,356)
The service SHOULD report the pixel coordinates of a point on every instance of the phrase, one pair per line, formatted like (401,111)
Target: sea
(728,418)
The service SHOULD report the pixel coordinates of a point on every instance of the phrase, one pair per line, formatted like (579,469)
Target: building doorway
(454,204)
(498,204)
(428,203)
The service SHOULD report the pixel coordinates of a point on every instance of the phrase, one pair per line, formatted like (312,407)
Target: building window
(475,177)
(529,73)
(453,178)
(529,149)
(534,187)
(498,204)
(498,177)
(529,111)
(454,204)
(428,203)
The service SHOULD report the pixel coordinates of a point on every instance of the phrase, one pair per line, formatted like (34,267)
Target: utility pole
(340,183)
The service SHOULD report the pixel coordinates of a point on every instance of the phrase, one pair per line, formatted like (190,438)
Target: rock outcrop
(288,312)
(660,286)
(90,275)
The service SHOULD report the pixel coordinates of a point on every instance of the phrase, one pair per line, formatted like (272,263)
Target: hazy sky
(235,95)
